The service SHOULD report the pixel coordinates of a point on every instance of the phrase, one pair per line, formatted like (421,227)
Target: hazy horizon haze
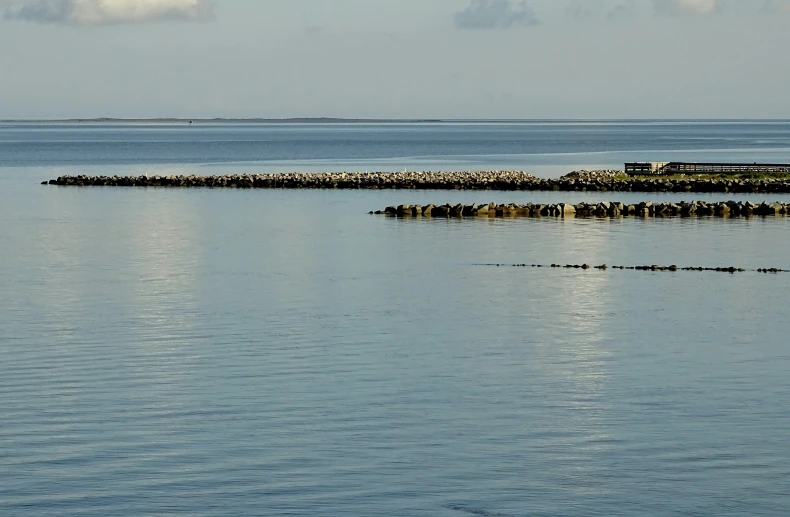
(447,59)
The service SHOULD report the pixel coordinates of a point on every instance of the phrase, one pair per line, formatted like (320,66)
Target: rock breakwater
(475,180)
(581,181)
(602,209)
(607,174)
(654,268)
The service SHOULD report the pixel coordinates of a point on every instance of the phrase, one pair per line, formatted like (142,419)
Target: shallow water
(230,352)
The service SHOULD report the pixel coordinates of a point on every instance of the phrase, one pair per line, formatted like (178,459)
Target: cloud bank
(495,14)
(107,12)
(676,8)
(777,6)
(621,12)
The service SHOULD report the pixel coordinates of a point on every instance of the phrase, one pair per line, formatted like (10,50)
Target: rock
(515,210)
(597,175)
(457,210)
(565,209)
(772,209)
(440,211)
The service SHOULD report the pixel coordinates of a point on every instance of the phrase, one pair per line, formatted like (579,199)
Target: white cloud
(621,12)
(686,7)
(777,6)
(106,12)
(582,9)
(590,10)
(495,14)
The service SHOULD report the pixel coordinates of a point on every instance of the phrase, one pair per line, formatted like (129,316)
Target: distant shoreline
(337,120)
(318,120)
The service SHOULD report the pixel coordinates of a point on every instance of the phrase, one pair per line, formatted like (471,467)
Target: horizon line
(373,120)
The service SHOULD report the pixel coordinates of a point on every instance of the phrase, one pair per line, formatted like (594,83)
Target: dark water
(228,352)
(522,145)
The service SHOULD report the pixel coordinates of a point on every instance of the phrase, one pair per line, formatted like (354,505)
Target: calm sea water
(233,352)
(547,148)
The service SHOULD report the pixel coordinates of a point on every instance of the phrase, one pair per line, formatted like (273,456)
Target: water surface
(233,352)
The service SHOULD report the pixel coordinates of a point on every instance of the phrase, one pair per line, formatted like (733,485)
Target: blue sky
(395,58)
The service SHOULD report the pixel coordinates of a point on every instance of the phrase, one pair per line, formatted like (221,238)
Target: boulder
(566,210)
(772,209)
(440,211)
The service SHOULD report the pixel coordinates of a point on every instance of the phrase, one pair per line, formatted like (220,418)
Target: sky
(405,59)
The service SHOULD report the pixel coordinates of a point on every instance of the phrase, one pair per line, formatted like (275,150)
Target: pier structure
(667,168)
(645,168)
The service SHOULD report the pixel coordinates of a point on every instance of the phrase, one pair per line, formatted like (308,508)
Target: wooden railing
(664,168)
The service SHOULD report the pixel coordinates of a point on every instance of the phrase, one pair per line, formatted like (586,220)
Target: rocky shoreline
(602,209)
(578,181)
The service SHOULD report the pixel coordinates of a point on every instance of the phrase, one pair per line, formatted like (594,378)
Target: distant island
(315,120)
(340,120)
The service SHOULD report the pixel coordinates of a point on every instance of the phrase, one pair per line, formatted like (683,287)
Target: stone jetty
(475,180)
(601,209)
(593,175)
(580,181)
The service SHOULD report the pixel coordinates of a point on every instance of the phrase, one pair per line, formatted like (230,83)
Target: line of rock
(584,181)
(673,268)
(588,175)
(478,180)
(602,209)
